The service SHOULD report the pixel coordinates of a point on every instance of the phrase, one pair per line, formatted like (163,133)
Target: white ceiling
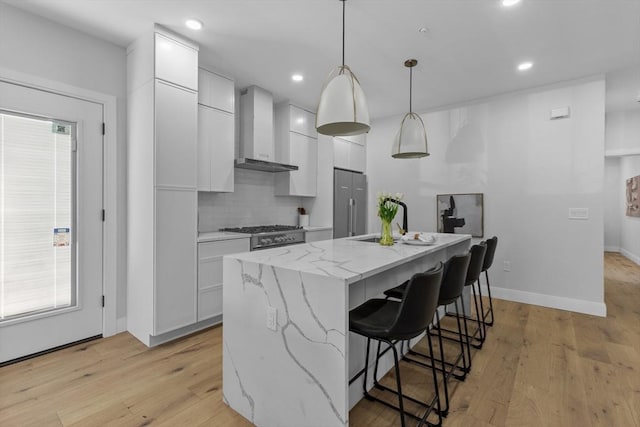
(470,51)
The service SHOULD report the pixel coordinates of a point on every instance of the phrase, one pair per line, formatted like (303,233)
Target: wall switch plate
(560,113)
(272,318)
(578,213)
(506,266)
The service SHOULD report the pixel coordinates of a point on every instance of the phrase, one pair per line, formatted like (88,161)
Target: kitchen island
(287,355)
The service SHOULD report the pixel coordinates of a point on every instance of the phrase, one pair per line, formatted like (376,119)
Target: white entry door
(51,168)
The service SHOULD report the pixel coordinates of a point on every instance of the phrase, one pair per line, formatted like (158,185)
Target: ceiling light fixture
(342,109)
(525,66)
(411,140)
(194,24)
(297,77)
(509,3)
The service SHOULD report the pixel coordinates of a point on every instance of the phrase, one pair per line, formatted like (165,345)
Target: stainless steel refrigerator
(349,203)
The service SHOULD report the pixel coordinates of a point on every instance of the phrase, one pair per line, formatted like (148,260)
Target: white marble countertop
(214,236)
(348,258)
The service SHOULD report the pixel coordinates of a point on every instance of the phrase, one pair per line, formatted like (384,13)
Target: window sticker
(61,237)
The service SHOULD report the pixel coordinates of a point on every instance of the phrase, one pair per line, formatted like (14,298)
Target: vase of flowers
(387,209)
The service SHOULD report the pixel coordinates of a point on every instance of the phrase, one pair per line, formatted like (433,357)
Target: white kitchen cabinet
(175,136)
(350,153)
(161,186)
(296,144)
(176,61)
(216,131)
(318,235)
(210,274)
(216,91)
(175,231)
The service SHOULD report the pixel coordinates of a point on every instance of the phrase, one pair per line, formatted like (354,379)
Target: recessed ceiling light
(194,24)
(509,3)
(525,66)
(297,77)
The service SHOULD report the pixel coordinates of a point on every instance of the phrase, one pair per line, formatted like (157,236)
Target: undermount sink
(373,240)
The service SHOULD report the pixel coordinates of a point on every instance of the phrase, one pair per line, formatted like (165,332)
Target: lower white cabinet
(175,293)
(317,235)
(210,273)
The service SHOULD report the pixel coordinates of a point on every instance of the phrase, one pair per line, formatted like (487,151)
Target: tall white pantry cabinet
(162,102)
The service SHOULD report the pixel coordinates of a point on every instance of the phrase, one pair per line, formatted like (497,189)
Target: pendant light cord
(410,89)
(343,21)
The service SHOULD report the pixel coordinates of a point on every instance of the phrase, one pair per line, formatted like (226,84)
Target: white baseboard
(612,249)
(632,257)
(551,301)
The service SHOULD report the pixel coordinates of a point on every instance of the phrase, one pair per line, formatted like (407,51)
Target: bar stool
(473,274)
(453,281)
(386,321)
(492,243)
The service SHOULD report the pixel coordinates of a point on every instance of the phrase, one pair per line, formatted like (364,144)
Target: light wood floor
(539,367)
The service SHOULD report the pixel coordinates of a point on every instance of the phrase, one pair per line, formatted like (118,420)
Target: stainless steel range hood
(261,165)
(257,149)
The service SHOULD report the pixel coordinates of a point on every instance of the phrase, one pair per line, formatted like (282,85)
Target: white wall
(38,47)
(612,204)
(629,226)
(623,130)
(531,171)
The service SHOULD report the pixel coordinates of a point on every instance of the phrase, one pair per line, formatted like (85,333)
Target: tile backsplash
(252,203)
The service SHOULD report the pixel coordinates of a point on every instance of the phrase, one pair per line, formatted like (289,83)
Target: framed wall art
(461,213)
(633,196)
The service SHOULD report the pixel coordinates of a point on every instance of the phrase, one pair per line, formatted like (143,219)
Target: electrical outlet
(506,266)
(272,318)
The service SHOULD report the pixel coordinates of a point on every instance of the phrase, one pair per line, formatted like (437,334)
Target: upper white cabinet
(215,149)
(300,121)
(216,91)
(162,106)
(176,120)
(296,144)
(349,153)
(176,62)
(216,132)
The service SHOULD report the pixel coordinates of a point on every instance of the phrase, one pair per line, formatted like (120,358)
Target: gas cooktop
(262,229)
(270,236)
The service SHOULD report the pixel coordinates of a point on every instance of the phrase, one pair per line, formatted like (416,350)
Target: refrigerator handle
(354,217)
(350,228)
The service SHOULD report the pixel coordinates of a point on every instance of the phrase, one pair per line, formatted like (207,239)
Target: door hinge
(104,214)
(104,128)
(103,300)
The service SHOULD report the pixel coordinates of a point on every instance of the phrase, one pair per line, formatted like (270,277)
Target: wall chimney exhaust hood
(257,150)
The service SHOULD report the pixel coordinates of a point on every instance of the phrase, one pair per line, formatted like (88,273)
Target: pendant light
(411,139)
(342,109)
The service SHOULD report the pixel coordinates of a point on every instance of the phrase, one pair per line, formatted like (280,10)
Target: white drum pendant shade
(411,140)
(342,109)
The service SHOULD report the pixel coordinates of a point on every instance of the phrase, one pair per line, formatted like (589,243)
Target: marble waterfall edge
(298,369)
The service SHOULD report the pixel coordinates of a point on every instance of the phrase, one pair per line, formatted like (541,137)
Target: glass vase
(386,235)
